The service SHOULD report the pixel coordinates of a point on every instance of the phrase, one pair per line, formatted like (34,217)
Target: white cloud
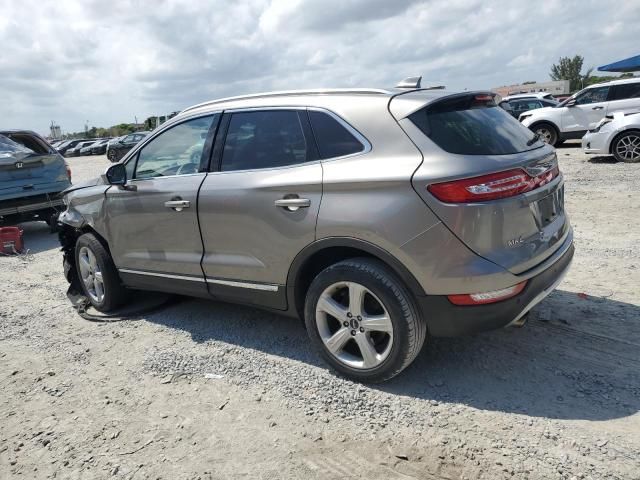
(106,62)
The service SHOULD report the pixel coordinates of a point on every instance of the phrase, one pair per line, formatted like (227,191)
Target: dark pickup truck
(32,176)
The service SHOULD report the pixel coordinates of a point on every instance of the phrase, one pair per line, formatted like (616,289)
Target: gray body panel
(246,236)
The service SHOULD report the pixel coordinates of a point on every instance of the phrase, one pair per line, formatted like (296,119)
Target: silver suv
(380,217)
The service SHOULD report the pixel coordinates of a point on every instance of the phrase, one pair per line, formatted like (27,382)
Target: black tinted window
(630,90)
(473,125)
(333,139)
(265,139)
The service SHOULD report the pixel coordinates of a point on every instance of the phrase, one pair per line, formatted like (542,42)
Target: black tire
(409,329)
(621,150)
(114,293)
(547,133)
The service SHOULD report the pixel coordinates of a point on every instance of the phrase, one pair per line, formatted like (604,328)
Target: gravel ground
(205,390)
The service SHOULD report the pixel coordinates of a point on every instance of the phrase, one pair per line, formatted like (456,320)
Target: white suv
(573,117)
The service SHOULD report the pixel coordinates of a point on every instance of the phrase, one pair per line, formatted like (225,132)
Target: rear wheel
(98,275)
(363,321)
(626,147)
(547,133)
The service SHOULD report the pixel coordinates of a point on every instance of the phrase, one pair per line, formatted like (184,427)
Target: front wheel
(626,147)
(547,133)
(362,320)
(98,275)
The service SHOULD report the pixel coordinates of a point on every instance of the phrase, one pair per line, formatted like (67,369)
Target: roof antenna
(410,82)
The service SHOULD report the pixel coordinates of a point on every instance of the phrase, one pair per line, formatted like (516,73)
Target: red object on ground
(11,240)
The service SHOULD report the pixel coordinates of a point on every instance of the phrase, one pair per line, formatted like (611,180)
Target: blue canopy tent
(631,64)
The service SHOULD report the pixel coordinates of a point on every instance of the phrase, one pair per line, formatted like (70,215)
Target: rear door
(591,107)
(259,209)
(152,222)
(28,166)
(470,146)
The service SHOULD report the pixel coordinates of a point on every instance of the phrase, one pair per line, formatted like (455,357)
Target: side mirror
(571,103)
(116,174)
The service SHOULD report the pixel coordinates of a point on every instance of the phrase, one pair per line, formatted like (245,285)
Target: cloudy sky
(107,62)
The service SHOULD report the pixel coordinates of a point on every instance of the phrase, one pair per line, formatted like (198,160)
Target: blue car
(32,176)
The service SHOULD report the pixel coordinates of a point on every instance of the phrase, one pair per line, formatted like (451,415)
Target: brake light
(487,297)
(68,170)
(491,187)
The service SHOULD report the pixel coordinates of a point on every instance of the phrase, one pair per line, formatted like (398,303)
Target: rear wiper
(535,138)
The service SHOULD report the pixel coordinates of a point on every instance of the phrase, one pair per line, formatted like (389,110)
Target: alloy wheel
(628,147)
(545,134)
(354,325)
(91,274)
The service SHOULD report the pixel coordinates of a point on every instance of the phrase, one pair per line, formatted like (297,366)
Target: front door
(152,222)
(260,208)
(591,107)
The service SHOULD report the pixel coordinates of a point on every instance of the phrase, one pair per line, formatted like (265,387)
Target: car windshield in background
(473,125)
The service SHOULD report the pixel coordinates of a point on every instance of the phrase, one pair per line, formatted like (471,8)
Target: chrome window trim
(267,287)
(133,180)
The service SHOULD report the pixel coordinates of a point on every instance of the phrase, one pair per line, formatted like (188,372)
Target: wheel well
(615,139)
(69,235)
(331,255)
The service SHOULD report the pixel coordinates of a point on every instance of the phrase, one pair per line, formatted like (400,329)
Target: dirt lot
(207,390)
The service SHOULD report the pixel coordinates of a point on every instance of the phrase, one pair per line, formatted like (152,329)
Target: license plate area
(547,209)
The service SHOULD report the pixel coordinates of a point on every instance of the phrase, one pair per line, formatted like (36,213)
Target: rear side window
(265,139)
(473,125)
(334,140)
(625,91)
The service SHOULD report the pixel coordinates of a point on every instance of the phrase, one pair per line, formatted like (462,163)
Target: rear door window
(473,125)
(626,91)
(266,139)
(334,140)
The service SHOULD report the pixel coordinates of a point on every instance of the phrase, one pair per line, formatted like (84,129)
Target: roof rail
(318,91)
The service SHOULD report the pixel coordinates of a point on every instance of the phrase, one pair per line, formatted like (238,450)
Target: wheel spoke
(84,265)
(368,352)
(99,289)
(356,298)
(92,259)
(377,323)
(329,305)
(336,342)
(88,281)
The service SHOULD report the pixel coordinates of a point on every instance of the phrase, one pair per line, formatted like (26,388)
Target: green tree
(569,69)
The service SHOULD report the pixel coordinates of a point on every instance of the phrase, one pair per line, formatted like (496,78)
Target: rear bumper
(32,204)
(447,320)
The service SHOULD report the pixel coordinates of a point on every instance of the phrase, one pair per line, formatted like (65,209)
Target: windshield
(474,125)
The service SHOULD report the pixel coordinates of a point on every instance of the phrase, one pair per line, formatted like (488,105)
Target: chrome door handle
(293,204)
(597,108)
(177,205)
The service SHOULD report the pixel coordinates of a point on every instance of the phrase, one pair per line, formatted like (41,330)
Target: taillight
(491,187)
(487,297)
(68,171)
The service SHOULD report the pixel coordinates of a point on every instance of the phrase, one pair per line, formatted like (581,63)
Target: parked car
(100,147)
(617,134)
(118,149)
(375,215)
(86,150)
(68,145)
(75,151)
(572,118)
(32,176)
(517,106)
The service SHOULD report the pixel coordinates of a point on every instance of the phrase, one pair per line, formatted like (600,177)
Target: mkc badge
(18,164)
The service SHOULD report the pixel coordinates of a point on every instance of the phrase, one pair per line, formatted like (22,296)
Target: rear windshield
(474,125)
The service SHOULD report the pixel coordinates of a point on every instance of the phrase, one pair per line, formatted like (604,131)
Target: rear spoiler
(403,104)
